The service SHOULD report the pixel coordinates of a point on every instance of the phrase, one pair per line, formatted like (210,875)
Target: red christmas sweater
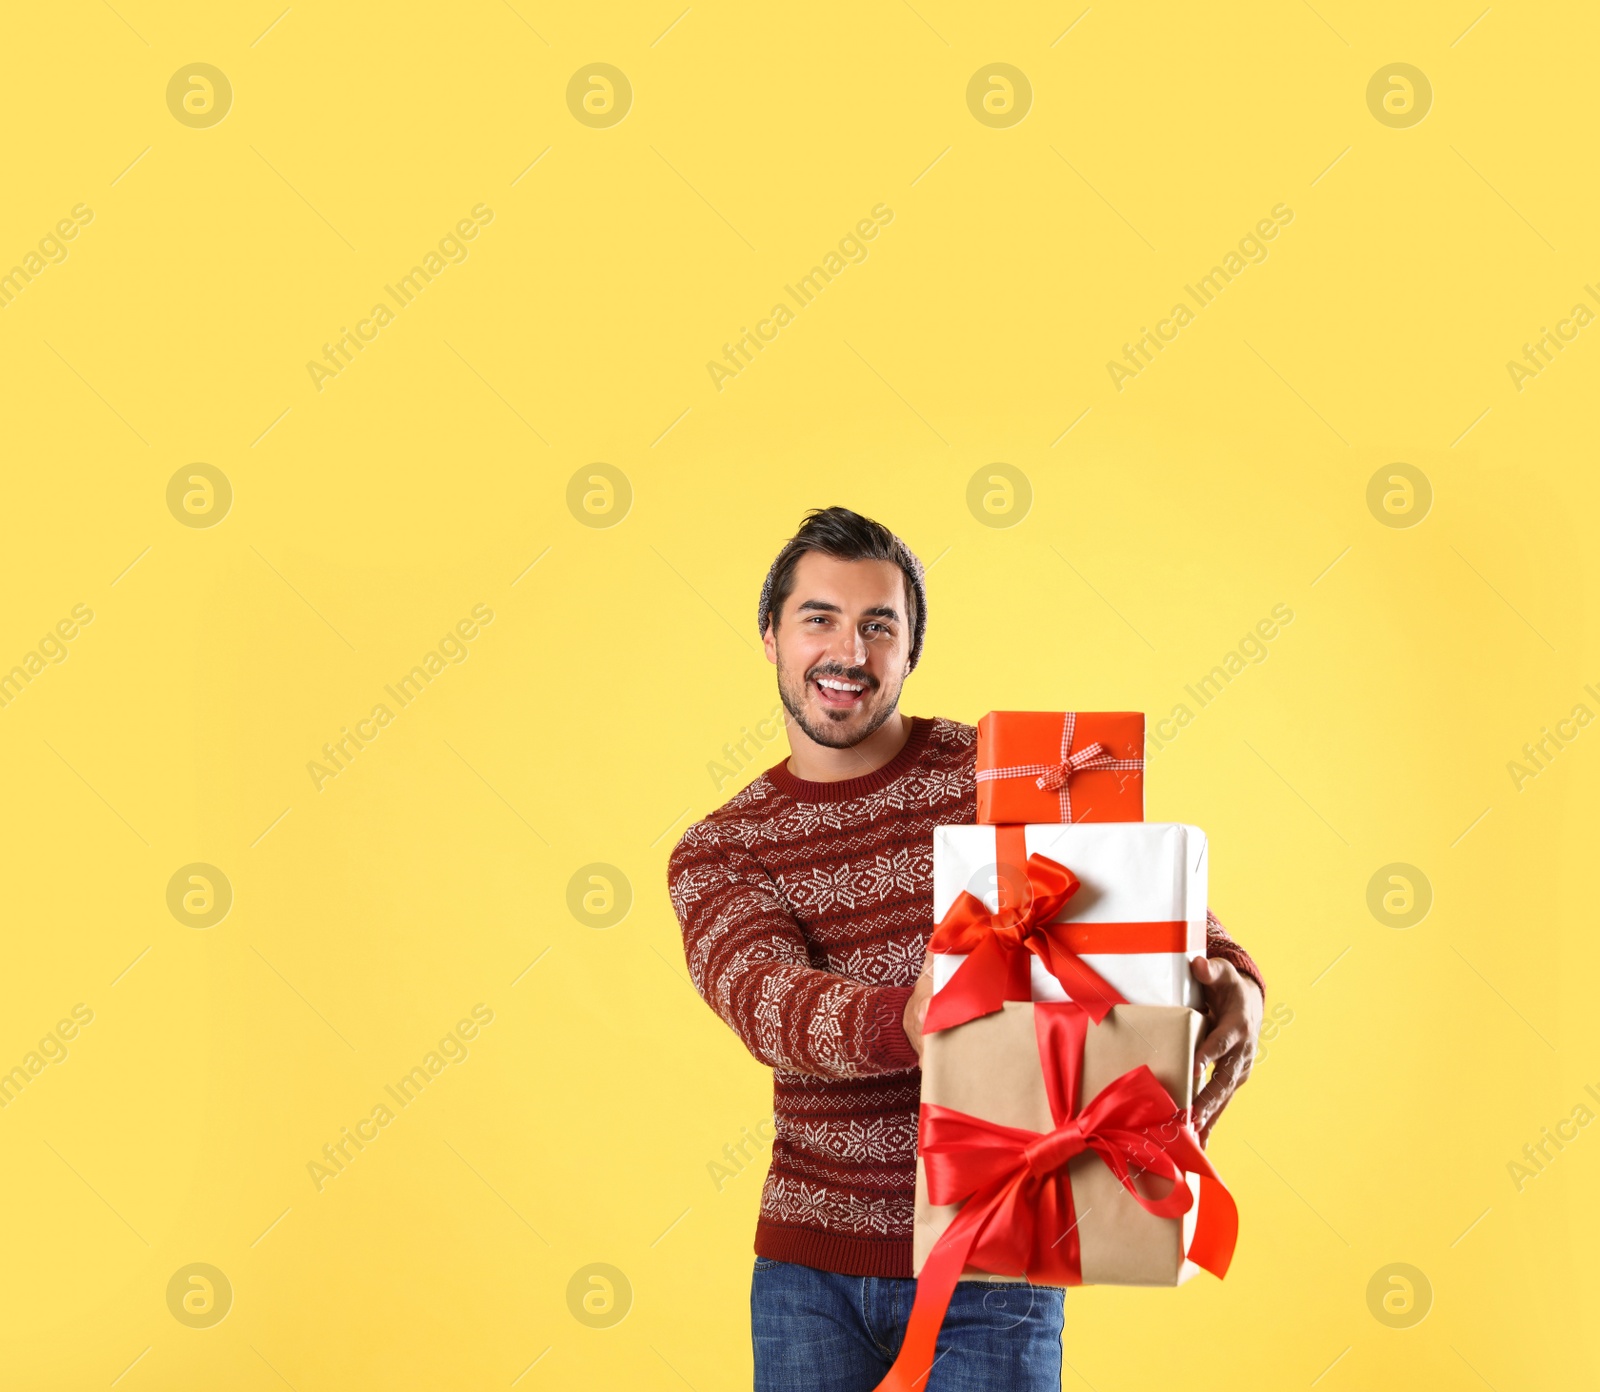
(806,910)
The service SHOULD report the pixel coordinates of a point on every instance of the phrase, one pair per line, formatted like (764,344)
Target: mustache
(855,674)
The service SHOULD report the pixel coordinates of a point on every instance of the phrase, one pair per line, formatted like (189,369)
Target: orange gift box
(1060,766)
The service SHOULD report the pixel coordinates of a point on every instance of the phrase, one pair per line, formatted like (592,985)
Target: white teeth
(838,685)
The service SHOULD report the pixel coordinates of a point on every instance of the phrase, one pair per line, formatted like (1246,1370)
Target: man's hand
(917,1004)
(1233,1003)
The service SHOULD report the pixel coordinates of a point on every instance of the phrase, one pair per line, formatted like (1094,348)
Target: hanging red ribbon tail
(935,1285)
(1078,979)
(991,975)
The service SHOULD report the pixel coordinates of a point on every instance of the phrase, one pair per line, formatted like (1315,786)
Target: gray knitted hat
(838,531)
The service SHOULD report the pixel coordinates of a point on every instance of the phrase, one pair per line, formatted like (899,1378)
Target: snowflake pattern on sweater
(805,911)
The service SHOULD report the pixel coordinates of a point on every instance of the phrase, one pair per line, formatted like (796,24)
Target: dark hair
(847,536)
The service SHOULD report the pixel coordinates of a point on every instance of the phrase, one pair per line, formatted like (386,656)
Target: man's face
(841,645)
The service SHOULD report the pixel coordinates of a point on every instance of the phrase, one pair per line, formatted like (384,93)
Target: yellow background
(433,873)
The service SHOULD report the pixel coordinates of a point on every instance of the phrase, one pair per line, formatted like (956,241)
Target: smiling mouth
(839,693)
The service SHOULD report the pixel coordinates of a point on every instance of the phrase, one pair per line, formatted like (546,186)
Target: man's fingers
(1224,1039)
(1233,1067)
(1221,1085)
(1210,971)
(1209,1104)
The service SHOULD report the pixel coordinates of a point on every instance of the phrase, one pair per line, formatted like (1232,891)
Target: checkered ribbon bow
(1057,778)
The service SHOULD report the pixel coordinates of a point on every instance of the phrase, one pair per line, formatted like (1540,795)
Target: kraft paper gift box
(1060,766)
(1137,917)
(991,1069)
(1058,1151)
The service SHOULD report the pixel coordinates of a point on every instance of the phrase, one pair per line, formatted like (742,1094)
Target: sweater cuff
(888,1046)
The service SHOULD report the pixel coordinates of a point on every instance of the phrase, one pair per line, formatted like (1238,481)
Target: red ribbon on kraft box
(1016,1196)
(1060,766)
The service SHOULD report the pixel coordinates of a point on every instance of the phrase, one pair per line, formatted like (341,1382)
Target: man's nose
(848,648)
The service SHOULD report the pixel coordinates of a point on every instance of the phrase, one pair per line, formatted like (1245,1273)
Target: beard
(835,734)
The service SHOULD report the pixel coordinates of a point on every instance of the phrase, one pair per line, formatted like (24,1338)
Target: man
(806,904)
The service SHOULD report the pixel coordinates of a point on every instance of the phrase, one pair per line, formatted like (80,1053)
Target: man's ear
(769,641)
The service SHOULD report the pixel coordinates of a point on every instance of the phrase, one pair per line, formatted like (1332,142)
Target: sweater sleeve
(1220,944)
(748,960)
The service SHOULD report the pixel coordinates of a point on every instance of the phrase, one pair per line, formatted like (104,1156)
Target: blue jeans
(817,1331)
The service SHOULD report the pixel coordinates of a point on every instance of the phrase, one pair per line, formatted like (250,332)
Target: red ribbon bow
(1017,1216)
(998,946)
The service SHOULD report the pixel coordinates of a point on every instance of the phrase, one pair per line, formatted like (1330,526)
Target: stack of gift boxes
(1055,1143)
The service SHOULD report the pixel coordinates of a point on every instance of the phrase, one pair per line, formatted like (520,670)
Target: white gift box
(1128,872)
